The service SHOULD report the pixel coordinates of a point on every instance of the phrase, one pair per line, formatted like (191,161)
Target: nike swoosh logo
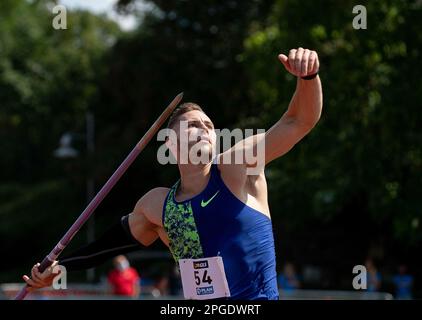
(205,203)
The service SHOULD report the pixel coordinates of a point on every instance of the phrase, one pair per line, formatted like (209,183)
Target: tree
(357,174)
(48,80)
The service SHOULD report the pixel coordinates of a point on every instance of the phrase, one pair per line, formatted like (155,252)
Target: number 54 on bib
(204,278)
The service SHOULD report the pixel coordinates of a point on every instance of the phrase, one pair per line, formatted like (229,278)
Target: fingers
(316,66)
(38,279)
(292,56)
(311,63)
(313,66)
(31,282)
(300,62)
(304,63)
(284,60)
(36,274)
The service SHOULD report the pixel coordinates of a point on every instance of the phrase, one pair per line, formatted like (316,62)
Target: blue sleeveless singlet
(216,223)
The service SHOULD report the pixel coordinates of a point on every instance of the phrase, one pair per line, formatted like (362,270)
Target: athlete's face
(196,130)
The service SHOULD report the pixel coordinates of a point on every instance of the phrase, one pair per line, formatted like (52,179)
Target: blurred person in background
(288,280)
(373,276)
(124,279)
(403,283)
(162,285)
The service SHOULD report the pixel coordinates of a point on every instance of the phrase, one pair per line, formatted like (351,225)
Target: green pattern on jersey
(180,226)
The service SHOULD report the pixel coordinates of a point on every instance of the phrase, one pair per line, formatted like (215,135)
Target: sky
(126,22)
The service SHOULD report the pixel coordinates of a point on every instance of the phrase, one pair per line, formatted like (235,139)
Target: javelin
(89,210)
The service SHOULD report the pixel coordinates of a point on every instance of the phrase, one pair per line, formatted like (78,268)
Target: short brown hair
(183,108)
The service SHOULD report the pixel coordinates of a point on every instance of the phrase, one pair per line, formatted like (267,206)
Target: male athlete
(216,212)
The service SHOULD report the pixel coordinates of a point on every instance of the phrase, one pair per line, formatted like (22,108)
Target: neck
(193,178)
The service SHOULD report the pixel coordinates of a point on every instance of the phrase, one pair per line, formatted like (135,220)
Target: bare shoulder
(151,205)
(240,181)
(249,188)
(234,176)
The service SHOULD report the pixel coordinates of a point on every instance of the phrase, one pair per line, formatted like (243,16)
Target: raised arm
(305,106)
(301,116)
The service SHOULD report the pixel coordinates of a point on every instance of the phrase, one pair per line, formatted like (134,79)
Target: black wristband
(310,77)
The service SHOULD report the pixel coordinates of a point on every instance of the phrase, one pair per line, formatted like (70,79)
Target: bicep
(260,149)
(282,137)
(141,228)
(145,220)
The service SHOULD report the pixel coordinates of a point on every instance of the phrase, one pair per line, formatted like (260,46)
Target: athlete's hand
(300,62)
(40,280)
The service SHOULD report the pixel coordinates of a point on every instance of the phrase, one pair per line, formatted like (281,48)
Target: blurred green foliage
(352,187)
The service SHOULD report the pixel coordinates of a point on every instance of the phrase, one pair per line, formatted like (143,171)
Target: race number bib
(204,278)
